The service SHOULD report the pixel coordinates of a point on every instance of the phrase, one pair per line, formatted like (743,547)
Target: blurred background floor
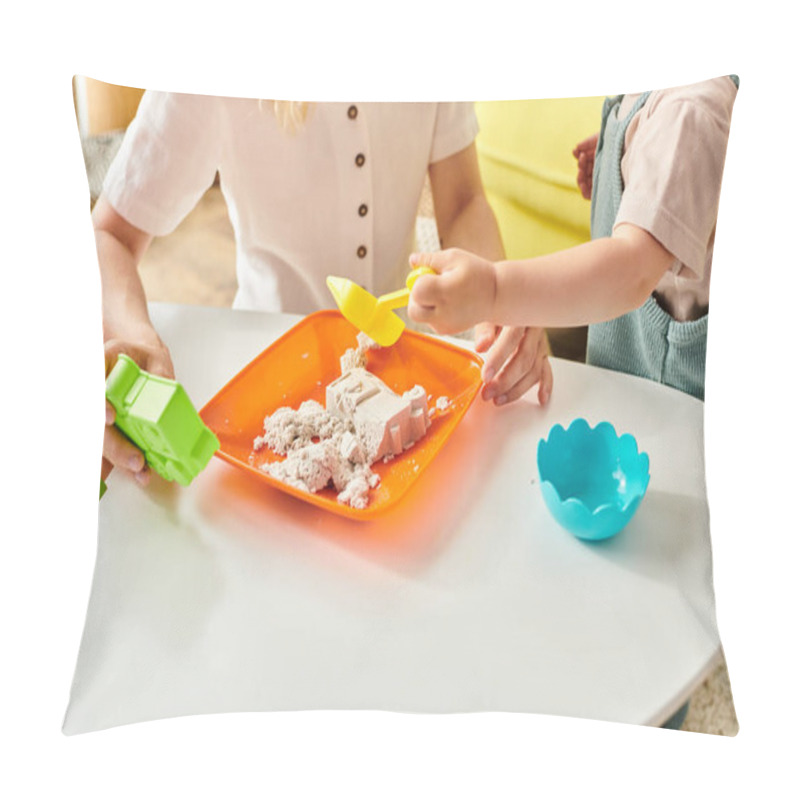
(196,263)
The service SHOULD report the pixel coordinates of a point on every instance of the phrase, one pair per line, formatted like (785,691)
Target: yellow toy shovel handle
(417,273)
(400,297)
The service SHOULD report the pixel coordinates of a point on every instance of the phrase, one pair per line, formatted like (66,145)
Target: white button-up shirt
(338,195)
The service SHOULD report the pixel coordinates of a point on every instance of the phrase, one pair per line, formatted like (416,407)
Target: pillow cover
(467,595)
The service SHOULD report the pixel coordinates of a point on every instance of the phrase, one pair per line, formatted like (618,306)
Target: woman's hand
(118,450)
(516,359)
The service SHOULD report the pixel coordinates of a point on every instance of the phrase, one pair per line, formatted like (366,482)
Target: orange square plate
(301,363)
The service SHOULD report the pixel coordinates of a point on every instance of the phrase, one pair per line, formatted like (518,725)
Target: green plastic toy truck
(156,414)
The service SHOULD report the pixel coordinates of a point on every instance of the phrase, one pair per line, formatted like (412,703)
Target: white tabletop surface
(229,595)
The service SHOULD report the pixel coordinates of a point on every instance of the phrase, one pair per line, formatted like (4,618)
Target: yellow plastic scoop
(373,315)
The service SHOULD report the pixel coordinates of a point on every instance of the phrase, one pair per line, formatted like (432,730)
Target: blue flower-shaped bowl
(592,480)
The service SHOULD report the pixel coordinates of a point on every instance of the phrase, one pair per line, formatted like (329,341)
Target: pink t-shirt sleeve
(167,160)
(455,128)
(672,168)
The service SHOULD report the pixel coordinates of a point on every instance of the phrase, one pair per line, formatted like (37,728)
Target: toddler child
(654,174)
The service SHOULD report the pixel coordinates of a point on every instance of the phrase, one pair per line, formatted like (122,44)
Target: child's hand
(463,295)
(584,151)
(118,450)
(516,359)
(460,296)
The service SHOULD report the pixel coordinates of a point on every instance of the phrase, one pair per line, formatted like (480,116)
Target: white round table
(229,595)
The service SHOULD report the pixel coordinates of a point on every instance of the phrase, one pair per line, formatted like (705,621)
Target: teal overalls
(647,341)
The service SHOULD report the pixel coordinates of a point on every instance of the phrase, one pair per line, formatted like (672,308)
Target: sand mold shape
(363,420)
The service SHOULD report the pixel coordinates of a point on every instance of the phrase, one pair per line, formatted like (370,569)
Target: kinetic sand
(363,420)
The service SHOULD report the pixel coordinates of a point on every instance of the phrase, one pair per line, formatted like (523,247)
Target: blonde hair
(291,114)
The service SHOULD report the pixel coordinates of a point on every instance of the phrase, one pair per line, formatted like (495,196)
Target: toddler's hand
(461,295)
(118,450)
(584,151)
